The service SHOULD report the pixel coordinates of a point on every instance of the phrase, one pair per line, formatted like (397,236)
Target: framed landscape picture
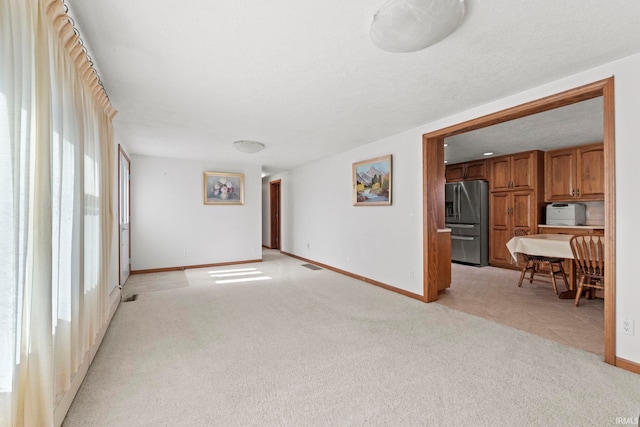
(221,188)
(372,182)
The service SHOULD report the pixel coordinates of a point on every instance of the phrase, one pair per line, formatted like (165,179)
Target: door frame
(121,154)
(433,188)
(275,197)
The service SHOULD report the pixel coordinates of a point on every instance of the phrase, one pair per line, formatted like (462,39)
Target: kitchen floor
(493,293)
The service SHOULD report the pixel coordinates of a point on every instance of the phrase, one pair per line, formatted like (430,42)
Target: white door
(124,216)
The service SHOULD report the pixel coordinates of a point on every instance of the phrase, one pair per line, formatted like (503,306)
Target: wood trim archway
(433,190)
(274,214)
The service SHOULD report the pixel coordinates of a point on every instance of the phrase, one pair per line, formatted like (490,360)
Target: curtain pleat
(56,218)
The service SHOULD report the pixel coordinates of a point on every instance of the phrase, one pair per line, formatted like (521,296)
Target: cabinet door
(523,171)
(499,228)
(453,173)
(500,171)
(560,172)
(500,209)
(476,170)
(508,211)
(444,260)
(590,172)
(499,255)
(523,211)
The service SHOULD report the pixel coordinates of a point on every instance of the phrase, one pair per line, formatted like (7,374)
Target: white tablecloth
(550,245)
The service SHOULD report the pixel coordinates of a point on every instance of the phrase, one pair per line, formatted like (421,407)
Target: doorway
(274,199)
(124,214)
(433,178)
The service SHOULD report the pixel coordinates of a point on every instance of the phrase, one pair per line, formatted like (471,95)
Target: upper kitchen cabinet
(575,174)
(468,171)
(516,171)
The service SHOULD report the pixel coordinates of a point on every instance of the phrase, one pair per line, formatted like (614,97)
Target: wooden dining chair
(532,264)
(588,255)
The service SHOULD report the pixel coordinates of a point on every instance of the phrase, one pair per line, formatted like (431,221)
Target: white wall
(172,227)
(385,243)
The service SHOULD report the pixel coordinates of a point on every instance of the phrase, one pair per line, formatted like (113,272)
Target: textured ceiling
(576,124)
(189,78)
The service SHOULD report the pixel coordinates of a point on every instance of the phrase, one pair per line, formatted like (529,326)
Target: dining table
(548,245)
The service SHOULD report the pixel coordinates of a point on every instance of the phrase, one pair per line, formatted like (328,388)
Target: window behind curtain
(54,223)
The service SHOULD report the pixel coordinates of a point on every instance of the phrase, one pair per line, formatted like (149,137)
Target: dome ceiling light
(247,146)
(412,25)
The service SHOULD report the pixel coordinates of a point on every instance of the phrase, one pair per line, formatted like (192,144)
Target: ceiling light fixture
(247,146)
(488,153)
(412,25)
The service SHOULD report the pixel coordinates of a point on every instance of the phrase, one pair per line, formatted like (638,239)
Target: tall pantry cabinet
(516,183)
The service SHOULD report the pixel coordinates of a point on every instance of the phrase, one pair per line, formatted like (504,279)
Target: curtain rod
(69,35)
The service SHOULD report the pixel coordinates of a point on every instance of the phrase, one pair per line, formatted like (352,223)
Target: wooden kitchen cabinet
(516,200)
(516,171)
(444,259)
(509,210)
(575,174)
(467,171)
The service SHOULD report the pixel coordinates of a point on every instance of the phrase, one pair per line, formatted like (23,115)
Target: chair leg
(534,267)
(553,278)
(579,291)
(524,271)
(563,274)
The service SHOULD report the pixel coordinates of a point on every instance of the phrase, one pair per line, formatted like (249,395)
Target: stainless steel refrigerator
(467,215)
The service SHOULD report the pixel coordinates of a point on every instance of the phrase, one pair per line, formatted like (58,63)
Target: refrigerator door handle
(454,237)
(460,225)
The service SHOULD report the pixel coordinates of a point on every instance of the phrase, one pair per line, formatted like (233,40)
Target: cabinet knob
(578,192)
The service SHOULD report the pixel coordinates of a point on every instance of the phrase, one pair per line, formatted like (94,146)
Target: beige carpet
(297,347)
(153,282)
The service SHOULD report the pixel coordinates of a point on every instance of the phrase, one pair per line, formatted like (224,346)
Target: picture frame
(223,188)
(372,182)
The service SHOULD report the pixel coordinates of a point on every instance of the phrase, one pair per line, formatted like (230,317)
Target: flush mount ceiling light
(247,146)
(412,25)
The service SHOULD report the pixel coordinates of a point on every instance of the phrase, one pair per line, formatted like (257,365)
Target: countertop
(586,227)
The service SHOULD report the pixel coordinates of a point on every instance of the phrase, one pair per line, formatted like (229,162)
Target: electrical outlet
(627,326)
(186,253)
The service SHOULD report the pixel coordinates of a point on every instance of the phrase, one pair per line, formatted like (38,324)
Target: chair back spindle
(588,253)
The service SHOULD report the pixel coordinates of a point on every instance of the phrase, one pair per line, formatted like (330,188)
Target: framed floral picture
(372,182)
(221,188)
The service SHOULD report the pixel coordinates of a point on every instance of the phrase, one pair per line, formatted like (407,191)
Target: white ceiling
(189,78)
(575,124)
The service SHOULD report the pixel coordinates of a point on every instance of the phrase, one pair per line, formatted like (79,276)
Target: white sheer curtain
(55,214)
